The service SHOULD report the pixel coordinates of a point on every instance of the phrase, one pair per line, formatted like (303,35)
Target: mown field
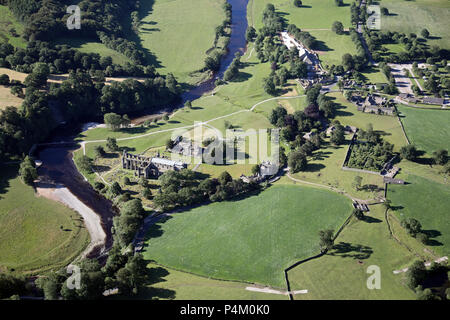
(413,16)
(332,46)
(253,239)
(342,273)
(37,234)
(427,201)
(179,33)
(427,129)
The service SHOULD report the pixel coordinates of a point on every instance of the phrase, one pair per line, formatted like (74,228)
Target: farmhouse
(149,167)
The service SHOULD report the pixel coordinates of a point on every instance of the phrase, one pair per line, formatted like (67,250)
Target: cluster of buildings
(266,170)
(409,98)
(308,57)
(149,167)
(372,104)
(186,147)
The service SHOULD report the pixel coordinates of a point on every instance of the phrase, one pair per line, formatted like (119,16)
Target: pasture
(427,201)
(342,272)
(413,16)
(252,239)
(179,33)
(314,14)
(37,234)
(426,128)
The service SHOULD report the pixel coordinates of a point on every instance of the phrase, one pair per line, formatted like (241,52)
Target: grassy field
(31,237)
(257,237)
(332,46)
(341,274)
(426,128)
(428,202)
(7,23)
(314,14)
(169,284)
(413,16)
(89,46)
(8,99)
(179,33)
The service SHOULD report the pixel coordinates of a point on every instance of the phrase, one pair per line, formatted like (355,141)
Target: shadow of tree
(347,250)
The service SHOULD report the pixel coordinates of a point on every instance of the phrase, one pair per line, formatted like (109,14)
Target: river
(58,168)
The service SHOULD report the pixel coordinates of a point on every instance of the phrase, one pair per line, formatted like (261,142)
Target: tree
(348,62)
(357,183)
(188,104)
(85,163)
(326,239)
(126,181)
(116,189)
(425,33)
(28,171)
(440,157)
(384,11)
(297,161)
(269,86)
(4,80)
(99,152)
(298,3)
(111,144)
(224,178)
(416,274)
(250,34)
(113,121)
(413,226)
(338,27)
(409,152)
(338,135)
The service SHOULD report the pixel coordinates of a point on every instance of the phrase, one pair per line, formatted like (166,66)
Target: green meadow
(179,33)
(426,128)
(342,272)
(413,16)
(37,234)
(252,239)
(427,201)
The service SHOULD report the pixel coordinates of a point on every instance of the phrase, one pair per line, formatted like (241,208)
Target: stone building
(148,167)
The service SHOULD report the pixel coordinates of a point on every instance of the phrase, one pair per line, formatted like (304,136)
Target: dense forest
(100,20)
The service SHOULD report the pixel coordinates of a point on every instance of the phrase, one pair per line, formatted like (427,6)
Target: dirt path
(90,218)
(273,291)
(427,264)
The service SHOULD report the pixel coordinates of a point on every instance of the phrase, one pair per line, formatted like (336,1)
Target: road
(359,29)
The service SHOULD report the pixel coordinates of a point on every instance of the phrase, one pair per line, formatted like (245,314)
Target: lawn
(314,14)
(342,273)
(413,16)
(332,46)
(252,239)
(32,238)
(89,46)
(169,284)
(426,128)
(427,201)
(7,23)
(179,33)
